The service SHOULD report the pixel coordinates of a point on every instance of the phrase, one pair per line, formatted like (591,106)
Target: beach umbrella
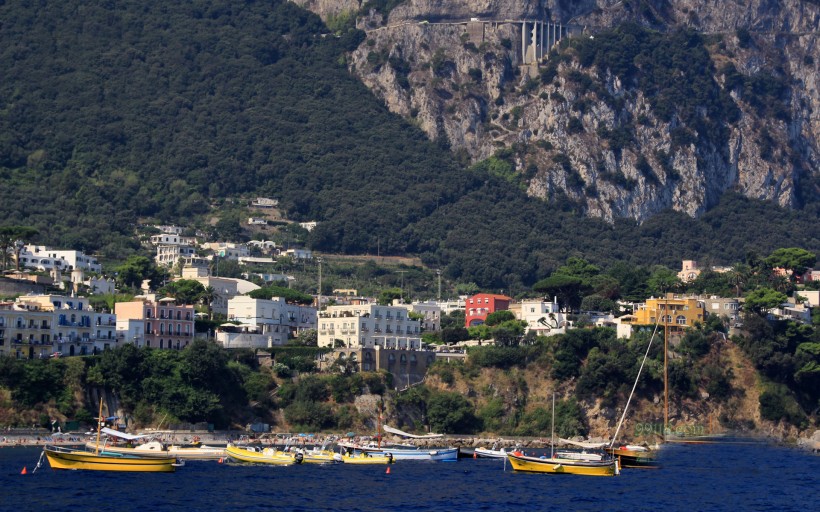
(351,434)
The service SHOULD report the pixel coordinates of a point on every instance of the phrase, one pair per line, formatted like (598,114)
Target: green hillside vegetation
(111,114)
(499,390)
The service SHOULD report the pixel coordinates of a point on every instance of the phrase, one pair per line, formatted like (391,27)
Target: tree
(566,288)
(739,276)
(451,413)
(761,300)
(13,238)
(499,317)
(662,280)
(794,260)
(185,291)
(135,270)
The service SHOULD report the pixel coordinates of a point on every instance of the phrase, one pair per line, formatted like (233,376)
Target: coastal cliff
(603,118)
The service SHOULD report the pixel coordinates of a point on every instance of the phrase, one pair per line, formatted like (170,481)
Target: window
(680,320)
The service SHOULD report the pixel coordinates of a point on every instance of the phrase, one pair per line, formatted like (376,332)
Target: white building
(448,306)
(299,254)
(225,288)
(264,323)
(255,221)
(264,202)
(310,226)
(172,239)
(228,250)
(170,229)
(45,258)
(368,326)
(543,318)
(432,315)
(264,245)
(168,255)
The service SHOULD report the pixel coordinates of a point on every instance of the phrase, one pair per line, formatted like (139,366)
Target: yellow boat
(319,456)
(97,460)
(562,466)
(264,456)
(366,458)
(67,458)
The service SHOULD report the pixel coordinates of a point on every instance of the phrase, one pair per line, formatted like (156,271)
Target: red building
(477,307)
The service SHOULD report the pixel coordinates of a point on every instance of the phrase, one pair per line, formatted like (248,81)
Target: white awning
(398,432)
(584,445)
(121,435)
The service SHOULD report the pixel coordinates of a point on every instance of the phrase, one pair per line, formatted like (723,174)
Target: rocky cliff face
(605,141)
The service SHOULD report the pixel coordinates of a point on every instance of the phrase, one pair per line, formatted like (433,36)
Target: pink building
(157,324)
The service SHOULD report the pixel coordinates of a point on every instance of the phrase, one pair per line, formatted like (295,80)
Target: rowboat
(68,458)
(264,456)
(97,460)
(559,466)
(491,453)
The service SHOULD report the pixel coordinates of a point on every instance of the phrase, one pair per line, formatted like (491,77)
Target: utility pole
(319,296)
(401,293)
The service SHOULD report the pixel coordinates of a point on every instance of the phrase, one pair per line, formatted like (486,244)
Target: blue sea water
(735,477)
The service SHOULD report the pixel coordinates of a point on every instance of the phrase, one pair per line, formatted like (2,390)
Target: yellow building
(673,312)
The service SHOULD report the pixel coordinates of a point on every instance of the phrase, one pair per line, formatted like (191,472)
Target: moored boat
(634,456)
(562,466)
(366,458)
(436,454)
(264,456)
(67,458)
(71,458)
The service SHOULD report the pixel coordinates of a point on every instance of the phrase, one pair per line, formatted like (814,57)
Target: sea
(736,476)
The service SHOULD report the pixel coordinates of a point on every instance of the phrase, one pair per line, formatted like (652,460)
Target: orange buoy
(24,472)
(221,460)
(475,455)
(388,470)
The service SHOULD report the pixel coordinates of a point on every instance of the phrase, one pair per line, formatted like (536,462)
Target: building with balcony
(162,323)
(263,323)
(44,258)
(477,307)
(672,313)
(368,326)
(40,325)
(172,239)
(431,315)
(168,255)
(542,317)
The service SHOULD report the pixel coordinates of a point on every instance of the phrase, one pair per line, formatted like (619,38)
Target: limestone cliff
(609,143)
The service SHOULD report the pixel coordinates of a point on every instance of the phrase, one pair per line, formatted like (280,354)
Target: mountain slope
(112,114)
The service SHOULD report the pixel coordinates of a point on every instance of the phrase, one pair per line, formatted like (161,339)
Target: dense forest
(171,112)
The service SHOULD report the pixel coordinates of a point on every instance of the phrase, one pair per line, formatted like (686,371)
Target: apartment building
(368,326)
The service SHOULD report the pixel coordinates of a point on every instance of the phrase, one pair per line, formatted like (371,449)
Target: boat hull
(490,454)
(78,459)
(196,453)
(441,455)
(366,458)
(562,466)
(266,456)
(634,459)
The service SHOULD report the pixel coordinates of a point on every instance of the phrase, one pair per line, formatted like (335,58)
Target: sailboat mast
(99,422)
(666,367)
(552,434)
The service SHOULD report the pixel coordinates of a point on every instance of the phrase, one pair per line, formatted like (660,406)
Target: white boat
(404,453)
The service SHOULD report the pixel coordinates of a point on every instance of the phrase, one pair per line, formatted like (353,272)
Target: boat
(319,456)
(558,466)
(366,458)
(492,453)
(564,462)
(404,453)
(72,458)
(155,448)
(263,456)
(634,456)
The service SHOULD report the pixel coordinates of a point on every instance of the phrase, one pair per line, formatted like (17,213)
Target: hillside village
(52,315)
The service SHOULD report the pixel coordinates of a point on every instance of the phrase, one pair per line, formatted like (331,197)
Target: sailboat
(562,463)
(70,458)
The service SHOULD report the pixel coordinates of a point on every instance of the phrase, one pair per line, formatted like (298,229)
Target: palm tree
(207,299)
(14,237)
(739,275)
